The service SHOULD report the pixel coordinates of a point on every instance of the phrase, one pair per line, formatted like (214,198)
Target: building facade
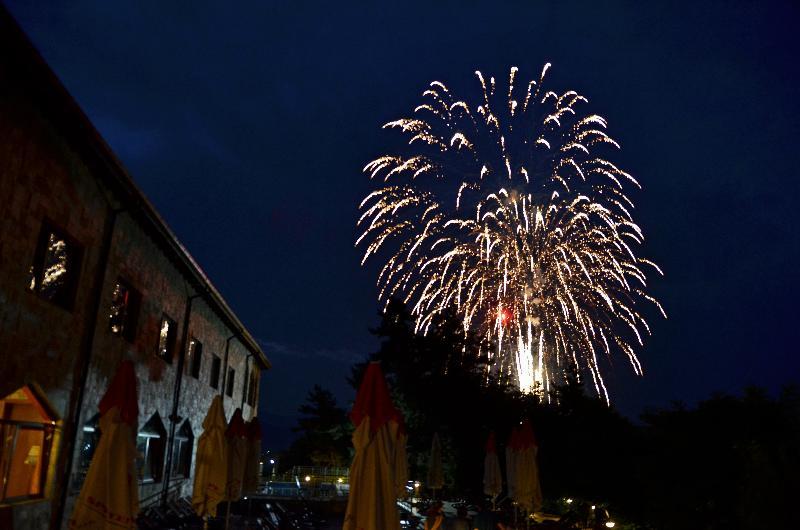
(90,275)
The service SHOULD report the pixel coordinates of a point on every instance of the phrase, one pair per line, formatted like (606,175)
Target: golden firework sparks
(535,249)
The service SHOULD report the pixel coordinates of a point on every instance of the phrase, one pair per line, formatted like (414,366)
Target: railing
(172,492)
(308,482)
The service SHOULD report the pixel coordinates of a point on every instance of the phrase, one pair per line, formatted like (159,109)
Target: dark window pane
(182,451)
(252,387)
(150,445)
(195,357)
(229,382)
(91,437)
(216,364)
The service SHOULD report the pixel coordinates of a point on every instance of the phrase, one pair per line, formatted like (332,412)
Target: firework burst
(507,212)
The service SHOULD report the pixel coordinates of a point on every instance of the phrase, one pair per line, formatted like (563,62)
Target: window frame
(65,297)
(154,429)
(90,435)
(47,427)
(216,371)
(132,310)
(252,384)
(172,337)
(195,352)
(182,448)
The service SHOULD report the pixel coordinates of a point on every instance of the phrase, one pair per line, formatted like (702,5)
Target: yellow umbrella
(371,504)
(252,466)
(529,490)
(109,498)
(211,462)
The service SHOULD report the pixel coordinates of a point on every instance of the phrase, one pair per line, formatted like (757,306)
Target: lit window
(125,302)
(166,338)
(229,382)
(56,266)
(182,451)
(195,357)
(216,365)
(150,443)
(26,436)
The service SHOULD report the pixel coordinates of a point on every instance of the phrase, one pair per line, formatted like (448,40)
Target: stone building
(90,275)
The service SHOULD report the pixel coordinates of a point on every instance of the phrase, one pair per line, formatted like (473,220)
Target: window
(195,357)
(252,387)
(166,338)
(182,451)
(26,436)
(91,437)
(125,303)
(216,365)
(150,444)
(229,382)
(56,267)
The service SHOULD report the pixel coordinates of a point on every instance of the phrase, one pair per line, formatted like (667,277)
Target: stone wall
(45,175)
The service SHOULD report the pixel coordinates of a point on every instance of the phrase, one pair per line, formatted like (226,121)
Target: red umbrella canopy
(373,401)
(525,437)
(121,393)
(491,445)
(237,427)
(253,429)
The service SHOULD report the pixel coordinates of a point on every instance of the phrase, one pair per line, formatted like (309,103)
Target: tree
(324,437)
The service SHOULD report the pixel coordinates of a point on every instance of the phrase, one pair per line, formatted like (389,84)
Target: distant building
(91,275)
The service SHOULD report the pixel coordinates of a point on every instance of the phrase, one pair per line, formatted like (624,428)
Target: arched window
(90,439)
(27,424)
(182,451)
(150,444)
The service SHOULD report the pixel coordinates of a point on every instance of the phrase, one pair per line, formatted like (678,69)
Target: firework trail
(507,213)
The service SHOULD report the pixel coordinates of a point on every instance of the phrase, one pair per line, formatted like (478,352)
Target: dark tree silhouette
(731,462)
(324,437)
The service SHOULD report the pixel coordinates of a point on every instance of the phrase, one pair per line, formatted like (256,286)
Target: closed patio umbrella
(109,497)
(401,461)
(252,468)
(236,435)
(435,472)
(211,462)
(511,463)
(371,504)
(492,480)
(529,490)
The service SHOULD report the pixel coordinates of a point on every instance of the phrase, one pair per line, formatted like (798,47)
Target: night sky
(247,128)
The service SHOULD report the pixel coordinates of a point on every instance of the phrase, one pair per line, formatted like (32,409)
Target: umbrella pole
(228,515)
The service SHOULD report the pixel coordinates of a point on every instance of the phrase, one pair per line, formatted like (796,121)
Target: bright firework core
(508,213)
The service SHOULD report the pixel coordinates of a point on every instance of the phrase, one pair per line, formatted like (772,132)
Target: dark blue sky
(247,127)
